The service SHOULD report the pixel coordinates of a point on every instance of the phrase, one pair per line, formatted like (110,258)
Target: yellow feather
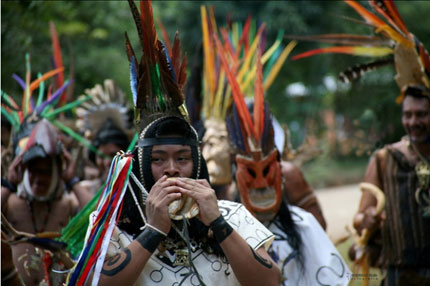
(372,51)
(278,64)
(270,52)
(209,65)
(250,54)
(218,97)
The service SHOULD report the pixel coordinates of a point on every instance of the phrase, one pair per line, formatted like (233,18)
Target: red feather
(237,94)
(379,7)
(391,7)
(259,100)
(342,50)
(182,72)
(149,33)
(176,55)
(58,61)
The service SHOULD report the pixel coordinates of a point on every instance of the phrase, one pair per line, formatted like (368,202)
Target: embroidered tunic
(214,270)
(405,234)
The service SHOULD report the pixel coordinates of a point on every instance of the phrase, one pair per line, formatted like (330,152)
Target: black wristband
(150,239)
(5,183)
(73,181)
(220,228)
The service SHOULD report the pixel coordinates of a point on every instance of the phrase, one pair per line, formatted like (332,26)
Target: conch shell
(186,206)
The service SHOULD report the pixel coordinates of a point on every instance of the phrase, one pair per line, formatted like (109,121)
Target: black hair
(417,91)
(109,133)
(290,228)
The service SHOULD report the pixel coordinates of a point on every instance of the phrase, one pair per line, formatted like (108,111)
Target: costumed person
(43,195)
(106,121)
(217,100)
(301,248)
(397,236)
(170,227)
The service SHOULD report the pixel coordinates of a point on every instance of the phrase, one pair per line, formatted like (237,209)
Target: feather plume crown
(46,105)
(105,103)
(156,79)
(250,129)
(411,59)
(240,41)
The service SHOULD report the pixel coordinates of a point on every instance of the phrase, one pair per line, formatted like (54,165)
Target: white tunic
(322,262)
(213,270)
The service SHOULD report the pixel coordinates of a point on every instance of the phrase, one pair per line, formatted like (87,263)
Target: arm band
(150,239)
(221,229)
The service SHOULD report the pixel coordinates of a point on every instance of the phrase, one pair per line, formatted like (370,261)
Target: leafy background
(363,114)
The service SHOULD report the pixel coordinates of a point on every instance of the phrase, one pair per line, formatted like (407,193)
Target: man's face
(259,183)
(40,175)
(103,164)
(416,118)
(216,152)
(172,161)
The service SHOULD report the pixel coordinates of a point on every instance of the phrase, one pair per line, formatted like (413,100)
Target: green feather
(156,87)
(133,142)
(74,232)
(77,137)
(41,91)
(67,107)
(9,117)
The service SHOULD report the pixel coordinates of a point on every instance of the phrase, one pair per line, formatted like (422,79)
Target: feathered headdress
(242,59)
(240,45)
(106,104)
(156,79)
(43,107)
(411,59)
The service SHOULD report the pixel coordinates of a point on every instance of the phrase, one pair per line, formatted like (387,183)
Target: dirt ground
(339,204)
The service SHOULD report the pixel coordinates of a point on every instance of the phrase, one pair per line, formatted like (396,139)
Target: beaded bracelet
(220,228)
(151,237)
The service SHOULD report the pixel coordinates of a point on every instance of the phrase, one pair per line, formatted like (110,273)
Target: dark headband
(145,142)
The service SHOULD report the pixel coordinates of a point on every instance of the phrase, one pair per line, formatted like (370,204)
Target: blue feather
(238,131)
(169,62)
(133,79)
(19,80)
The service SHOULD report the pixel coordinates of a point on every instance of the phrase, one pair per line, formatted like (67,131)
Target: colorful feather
(159,78)
(278,64)
(67,107)
(390,13)
(58,61)
(133,79)
(259,101)
(19,80)
(9,117)
(351,50)
(237,94)
(53,100)
(345,39)
(26,97)
(380,25)
(41,91)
